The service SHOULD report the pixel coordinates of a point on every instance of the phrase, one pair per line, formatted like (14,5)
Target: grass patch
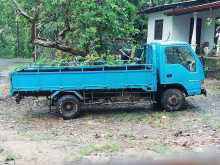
(36,136)
(161,149)
(10,157)
(122,116)
(14,67)
(11,68)
(131,116)
(99,148)
(19,65)
(161,119)
(12,64)
(154,119)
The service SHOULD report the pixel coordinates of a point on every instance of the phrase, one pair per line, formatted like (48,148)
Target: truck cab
(179,71)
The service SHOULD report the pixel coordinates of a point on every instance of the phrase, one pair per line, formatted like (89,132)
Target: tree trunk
(17,39)
(33,36)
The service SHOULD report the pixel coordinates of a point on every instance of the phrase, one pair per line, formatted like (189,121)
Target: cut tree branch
(57,45)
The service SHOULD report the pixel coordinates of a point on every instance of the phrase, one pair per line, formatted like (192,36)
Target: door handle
(169,75)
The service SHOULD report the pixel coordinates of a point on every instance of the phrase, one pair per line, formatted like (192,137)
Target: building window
(158,30)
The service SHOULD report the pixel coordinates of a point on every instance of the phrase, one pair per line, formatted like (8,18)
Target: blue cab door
(180,65)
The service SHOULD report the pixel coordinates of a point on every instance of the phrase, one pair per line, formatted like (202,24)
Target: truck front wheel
(172,99)
(68,107)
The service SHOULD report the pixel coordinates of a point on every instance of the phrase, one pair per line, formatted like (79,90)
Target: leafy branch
(41,41)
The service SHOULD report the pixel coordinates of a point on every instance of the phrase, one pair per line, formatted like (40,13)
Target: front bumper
(204,92)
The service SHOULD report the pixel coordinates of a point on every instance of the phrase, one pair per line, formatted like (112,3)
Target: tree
(35,21)
(9,34)
(7,37)
(78,27)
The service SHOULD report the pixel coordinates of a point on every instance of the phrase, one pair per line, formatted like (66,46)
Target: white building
(191,21)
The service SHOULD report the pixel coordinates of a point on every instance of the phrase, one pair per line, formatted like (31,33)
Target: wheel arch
(58,94)
(162,88)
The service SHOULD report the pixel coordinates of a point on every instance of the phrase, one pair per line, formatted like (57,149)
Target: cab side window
(181,55)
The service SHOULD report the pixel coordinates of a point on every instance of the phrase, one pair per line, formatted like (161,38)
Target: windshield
(181,55)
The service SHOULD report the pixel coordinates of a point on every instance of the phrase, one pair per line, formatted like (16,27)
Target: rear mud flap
(204,92)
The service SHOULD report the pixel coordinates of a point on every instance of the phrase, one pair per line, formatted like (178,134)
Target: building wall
(181,27)
(167,26)
(177,27)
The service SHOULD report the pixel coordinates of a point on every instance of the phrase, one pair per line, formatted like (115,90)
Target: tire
(172,99)
(157,97)
(69,107)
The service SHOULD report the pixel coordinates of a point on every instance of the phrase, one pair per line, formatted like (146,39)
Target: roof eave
(173,6)
(165,7)
(198,8)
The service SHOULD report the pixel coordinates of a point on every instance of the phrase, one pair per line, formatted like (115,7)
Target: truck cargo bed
(50,79)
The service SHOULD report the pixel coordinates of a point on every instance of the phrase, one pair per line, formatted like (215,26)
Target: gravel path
(30,134)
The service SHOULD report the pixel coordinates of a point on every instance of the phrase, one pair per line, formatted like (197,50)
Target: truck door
(181,66)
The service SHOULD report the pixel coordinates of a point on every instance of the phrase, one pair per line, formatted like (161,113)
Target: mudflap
(18,98)
(204,92)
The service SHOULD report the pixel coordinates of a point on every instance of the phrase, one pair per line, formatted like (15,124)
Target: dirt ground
(31,134)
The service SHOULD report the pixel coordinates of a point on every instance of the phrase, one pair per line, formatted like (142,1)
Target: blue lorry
(169,72)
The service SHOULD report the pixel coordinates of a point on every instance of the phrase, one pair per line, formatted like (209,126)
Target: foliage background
(97,26)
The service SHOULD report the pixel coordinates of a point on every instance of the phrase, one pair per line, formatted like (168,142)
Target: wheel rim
(70,107)
(173,100)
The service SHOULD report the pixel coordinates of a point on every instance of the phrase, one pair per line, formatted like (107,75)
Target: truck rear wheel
(68,107)
(172,99)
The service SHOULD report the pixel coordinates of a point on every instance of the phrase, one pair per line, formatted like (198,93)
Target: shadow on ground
(113,110)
